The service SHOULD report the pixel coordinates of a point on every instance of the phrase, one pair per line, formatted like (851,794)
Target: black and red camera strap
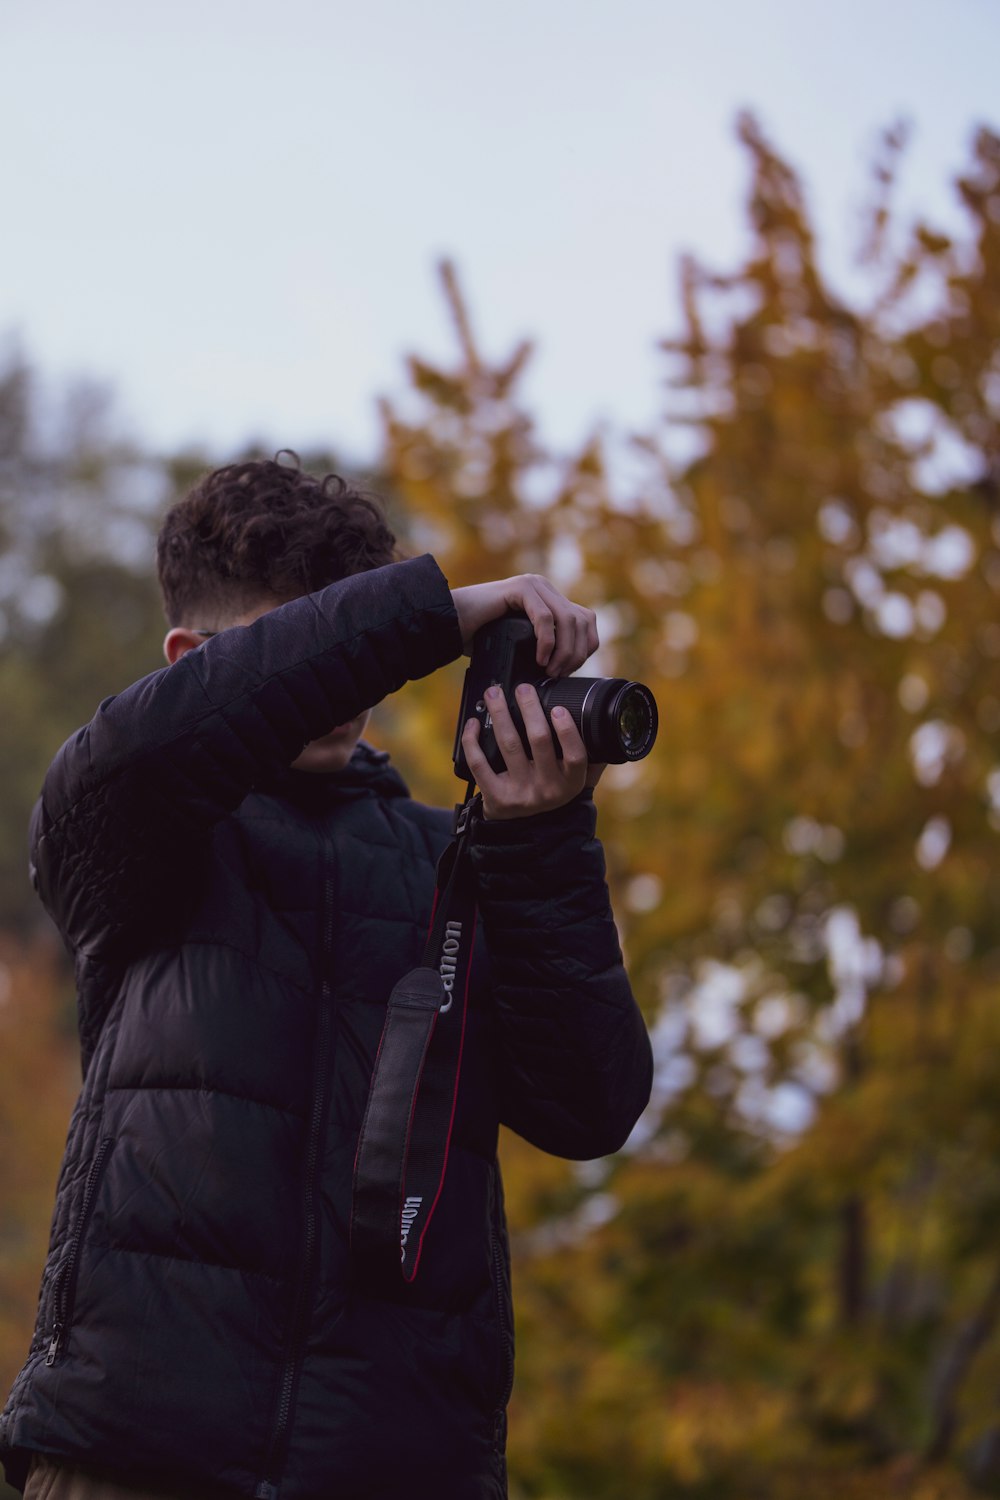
(406,1131)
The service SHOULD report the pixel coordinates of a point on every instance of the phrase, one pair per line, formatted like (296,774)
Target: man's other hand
(534,785)
(565,633)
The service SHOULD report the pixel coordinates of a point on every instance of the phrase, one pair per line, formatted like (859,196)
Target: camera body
(617,719)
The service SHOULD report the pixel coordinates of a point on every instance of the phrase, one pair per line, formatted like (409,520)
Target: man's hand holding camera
(529,735)
(566,633)
(533,785)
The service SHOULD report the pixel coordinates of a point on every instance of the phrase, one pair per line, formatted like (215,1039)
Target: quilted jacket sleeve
(130,801)
(575,1064)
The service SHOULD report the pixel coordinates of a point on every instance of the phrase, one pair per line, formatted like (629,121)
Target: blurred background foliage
(788,1283)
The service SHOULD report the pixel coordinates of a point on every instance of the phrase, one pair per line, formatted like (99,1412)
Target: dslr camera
(617,719)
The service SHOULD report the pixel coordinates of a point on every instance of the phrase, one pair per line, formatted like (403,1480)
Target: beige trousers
(50,1480)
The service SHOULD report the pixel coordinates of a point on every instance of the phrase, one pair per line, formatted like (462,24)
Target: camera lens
(617,719)
(636,721)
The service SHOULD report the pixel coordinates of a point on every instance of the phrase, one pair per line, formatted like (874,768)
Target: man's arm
(128,806)
(575,1063)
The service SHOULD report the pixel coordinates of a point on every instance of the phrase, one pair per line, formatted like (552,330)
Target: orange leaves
(39,1076)
(810,593)
(803,563)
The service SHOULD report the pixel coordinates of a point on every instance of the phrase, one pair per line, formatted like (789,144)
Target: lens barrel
(617,719)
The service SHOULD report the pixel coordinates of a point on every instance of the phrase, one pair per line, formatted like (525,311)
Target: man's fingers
(504,731)
(536,726)
(558,648)
(530,783)
(526,594)
(573,749)
(565,633)
(575,629)
(475,759)
(569,652)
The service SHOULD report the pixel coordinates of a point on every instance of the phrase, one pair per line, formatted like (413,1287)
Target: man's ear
(177,641)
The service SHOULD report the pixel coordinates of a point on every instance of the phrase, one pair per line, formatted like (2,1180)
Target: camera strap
(406,1131)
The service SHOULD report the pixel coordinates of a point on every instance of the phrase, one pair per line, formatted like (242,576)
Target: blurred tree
(79,616)
(789,1282)
(39,1077)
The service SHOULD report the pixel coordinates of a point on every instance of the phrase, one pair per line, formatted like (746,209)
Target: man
(242,881)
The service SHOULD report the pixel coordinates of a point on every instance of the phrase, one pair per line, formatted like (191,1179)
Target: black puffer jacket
(237,928)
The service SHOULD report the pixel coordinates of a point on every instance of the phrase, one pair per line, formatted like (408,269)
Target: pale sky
(231,210)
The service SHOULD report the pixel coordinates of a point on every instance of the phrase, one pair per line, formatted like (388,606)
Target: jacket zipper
(267,1489)
(507,1385)
(64,1291)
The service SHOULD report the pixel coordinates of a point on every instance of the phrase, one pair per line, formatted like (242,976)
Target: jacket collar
(369,770)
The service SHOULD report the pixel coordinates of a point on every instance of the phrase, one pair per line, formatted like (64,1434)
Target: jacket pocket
(64,1285)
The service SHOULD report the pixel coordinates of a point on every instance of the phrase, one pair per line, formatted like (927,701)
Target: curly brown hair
(264,530)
